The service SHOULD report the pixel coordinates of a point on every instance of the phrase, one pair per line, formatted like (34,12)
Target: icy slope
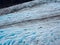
(32,33)
(25,5)
(38,25)
(43,11)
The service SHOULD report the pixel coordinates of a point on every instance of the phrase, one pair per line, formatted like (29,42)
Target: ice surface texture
(37,25)
(25,5)
(40,33)
(46,10)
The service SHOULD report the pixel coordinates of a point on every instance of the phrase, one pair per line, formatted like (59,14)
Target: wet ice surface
(36,26)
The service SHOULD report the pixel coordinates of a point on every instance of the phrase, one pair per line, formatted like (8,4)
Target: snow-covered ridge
(25,5)
(39,12)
